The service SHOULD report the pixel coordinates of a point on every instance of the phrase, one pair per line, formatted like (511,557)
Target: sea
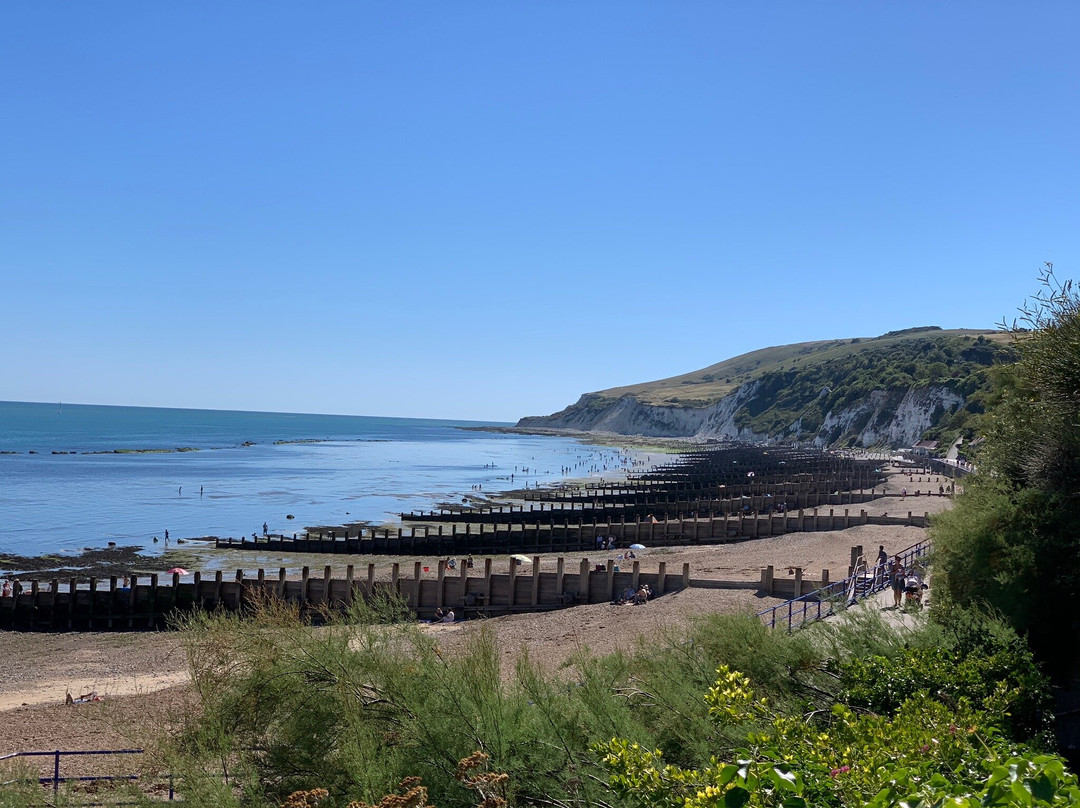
(75,476)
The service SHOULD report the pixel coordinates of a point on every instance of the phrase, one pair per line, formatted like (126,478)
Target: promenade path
(896,618)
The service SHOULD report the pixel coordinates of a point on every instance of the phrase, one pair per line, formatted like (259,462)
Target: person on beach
(266,529)
(882,561)
(898,581)
(6,591)
(166,536)
(442,616)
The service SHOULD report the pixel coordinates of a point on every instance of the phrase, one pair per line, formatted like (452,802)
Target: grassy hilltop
(919,382)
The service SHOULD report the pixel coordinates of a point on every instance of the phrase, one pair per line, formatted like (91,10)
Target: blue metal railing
(823,602)
(57,754)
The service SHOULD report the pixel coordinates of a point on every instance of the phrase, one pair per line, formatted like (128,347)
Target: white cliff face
(860,416)
(623,416)
(894,417)
(914,415)
(720,422)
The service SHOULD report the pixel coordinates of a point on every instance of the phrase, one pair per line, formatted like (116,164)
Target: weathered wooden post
(440,592)
(536,581)
(151,617)
(487,582)
(239,589)
(72,586)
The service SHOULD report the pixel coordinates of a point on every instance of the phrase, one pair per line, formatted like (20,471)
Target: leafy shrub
(926,753)
(1005,685)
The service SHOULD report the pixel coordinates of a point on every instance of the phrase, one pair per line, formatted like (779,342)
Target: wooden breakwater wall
(683,495)
(657,506)
(472,592)
(795,585)
(567,535)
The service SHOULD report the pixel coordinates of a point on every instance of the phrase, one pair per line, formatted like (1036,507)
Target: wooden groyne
(568,534)
(476,591)
(702,497)
(758,498)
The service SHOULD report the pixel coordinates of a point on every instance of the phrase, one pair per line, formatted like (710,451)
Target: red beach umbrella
(177,571)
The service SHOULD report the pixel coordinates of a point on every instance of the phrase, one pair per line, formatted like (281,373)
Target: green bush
(356,706)
(1004,685)
(926,753)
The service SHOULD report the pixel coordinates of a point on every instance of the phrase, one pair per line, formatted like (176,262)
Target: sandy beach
(143,677)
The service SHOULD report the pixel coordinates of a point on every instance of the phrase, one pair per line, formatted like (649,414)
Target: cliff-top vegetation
(894,389)
(920,348)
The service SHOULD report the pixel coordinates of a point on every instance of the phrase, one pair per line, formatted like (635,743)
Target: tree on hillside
(1012,540)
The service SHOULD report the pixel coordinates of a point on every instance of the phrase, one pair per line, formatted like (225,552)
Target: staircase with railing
(864,582)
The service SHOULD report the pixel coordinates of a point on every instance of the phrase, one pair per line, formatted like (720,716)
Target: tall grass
(361,703)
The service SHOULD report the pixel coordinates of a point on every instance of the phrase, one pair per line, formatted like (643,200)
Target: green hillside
(920,383)
(884,358)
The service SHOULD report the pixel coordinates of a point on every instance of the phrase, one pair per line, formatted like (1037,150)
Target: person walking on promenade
(882,564)
(898,576)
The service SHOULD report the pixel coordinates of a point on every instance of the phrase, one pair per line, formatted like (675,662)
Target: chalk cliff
(887,391)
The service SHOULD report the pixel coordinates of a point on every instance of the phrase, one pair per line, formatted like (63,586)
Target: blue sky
(482,210)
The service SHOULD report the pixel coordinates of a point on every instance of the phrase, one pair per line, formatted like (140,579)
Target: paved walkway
(898,618)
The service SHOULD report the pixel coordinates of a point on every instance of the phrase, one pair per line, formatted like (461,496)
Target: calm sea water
(362,469)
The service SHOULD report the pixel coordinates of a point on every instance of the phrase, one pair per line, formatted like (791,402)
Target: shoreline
(143,675)
(616,440)
(196,555)
(200,553)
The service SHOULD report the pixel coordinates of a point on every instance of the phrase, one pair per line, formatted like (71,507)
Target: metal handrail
(57,754)
(799,611)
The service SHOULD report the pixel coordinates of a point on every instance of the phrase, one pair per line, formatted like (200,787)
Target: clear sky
(483,209)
